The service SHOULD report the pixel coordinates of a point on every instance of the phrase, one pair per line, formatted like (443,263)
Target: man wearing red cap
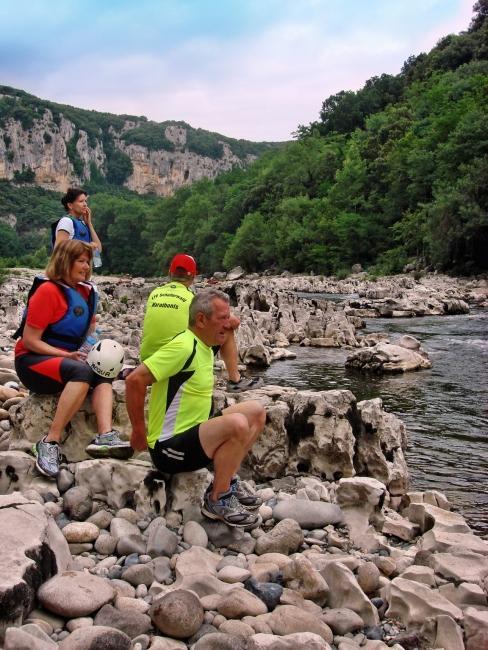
(167,315)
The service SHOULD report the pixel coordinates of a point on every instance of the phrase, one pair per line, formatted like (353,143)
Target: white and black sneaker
(228,509)
(109,445)
(47,457)
(245,495)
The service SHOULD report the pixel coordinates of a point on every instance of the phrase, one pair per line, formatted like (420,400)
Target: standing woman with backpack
(48,360)
(78,222)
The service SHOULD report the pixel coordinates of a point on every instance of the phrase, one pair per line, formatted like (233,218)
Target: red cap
(183,264)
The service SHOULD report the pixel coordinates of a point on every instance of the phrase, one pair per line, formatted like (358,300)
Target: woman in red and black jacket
(47,358)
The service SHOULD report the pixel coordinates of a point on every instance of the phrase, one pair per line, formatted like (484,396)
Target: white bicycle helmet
(106,358)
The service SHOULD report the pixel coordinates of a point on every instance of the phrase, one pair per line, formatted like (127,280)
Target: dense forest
(394,173)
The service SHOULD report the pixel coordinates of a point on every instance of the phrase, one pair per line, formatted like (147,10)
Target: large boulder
(387,358)
(121,483)
(33,550)
(320,422)
(269,454)
(381,441)
(32,417)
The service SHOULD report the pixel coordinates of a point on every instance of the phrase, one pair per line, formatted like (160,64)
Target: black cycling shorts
(48,375)
(181,453)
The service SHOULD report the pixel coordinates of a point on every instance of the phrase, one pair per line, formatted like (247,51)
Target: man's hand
(138,440)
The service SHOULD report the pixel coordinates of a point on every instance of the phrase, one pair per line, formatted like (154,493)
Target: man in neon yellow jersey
(167,315)
(180,435)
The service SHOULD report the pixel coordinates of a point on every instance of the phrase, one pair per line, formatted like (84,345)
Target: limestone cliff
(57,146)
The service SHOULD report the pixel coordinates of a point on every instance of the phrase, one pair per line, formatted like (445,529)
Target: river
(445,408)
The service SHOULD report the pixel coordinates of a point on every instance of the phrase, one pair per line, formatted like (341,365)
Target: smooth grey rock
(105,544)
(308,514)
(131,544)
(121,528)
(220,641)
(343,620)
(64,479)
(194,534)
(77,503)
(96,636)
(131,622)
(161,540)
(139,574)
(101,518)
(286,537)
(161,569)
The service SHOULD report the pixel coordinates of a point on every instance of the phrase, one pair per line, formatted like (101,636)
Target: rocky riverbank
(346,557)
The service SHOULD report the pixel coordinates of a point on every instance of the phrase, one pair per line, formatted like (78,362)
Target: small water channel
(445,408)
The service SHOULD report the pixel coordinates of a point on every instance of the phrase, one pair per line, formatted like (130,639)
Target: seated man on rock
(167,315)
(180,435)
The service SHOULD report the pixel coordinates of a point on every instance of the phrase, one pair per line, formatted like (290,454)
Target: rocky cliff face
(57,154)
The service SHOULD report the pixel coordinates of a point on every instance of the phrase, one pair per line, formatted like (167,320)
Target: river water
(445,408)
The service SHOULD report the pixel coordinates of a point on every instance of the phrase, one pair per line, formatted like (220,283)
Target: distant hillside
(55,145)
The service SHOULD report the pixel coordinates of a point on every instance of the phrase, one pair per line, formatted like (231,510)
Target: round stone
(79,532)
(74,593)
(178,614)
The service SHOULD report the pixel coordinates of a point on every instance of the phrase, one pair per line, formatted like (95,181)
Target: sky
(252,69)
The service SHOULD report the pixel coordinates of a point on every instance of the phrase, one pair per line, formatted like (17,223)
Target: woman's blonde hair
(64,256)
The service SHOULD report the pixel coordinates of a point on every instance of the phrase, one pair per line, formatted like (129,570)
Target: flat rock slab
(75,593)
(33,549)
(308,514)
(412,602)
(462,566)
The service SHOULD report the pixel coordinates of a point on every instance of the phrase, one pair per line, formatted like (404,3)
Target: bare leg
(69,404)
(229,354)
(228,438)
(102,400)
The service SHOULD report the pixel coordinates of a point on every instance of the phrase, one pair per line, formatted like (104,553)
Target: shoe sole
(101,451)
(215,517)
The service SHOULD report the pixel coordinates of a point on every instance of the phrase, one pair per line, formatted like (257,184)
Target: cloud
(255,75)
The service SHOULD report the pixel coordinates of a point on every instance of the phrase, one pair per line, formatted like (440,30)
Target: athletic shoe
(229,510)
(244,383)
(245,495)
(47,457)
(109,445)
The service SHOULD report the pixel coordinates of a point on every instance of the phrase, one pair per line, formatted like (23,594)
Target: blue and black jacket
(69,331)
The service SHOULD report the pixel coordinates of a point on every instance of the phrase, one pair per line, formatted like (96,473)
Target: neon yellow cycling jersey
(182,395)
(166,316)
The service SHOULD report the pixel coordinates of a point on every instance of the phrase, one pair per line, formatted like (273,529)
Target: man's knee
(258,415)
(238,426)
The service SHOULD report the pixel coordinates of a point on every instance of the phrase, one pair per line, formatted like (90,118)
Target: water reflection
(445,408)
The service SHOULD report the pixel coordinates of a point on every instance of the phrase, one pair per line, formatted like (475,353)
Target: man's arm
(135,394)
